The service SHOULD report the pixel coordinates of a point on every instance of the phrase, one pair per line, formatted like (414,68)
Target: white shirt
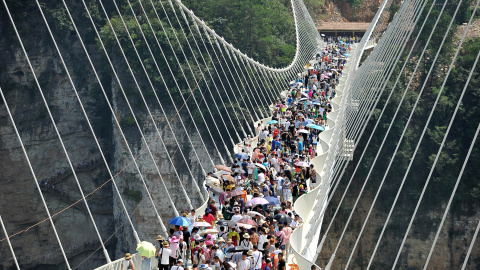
(261,240)
(243,265)
(261,177)
(246,244)
(191,218)
(257,259)
(236,218)
(279,182)
(165,254)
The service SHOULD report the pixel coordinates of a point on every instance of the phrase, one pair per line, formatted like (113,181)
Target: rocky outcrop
(20,203)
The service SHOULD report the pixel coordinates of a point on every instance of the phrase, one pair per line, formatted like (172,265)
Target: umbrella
(272,122)
(201,224)
(282,218)
(254,213)
(216,190)
(322,35)
(329,74)
(319,127)
(227,223)
(239,171)
(310,125)
(247,221)
(228,177)
(146,249)
(180,221)
(209,231)
(246,226)
(272,200)
(309,121)
(223,168)
(210,181)
(258,200)
(347,55)
(302,131)
(261,166)
(317,103)
(241,156)
(236,249)
(235,193)
(302,164)
(232,265)
(304,94)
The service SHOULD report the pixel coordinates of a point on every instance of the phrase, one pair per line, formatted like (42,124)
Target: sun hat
(166,244)
(246,235)
(128,256)
(250,253)
(179,261)
(159,237)
(174,239)
(220,239)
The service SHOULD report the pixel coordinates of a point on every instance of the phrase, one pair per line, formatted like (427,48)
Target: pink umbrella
(302,164)
(247,221)
(258,200)
(235,193)
(246,226)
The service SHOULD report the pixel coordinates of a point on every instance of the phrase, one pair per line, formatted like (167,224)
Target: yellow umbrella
(146,249)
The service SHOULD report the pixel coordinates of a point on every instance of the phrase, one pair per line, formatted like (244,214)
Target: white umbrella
(201,224)
(260,166)
(254,213)
(302,131)
(210,181)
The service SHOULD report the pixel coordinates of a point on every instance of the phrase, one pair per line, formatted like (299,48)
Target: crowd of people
(250,217)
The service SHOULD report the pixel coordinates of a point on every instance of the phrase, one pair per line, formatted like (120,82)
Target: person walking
(178,266)
(163,256)
(127,262)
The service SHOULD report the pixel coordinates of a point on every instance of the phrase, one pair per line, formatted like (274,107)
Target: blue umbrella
(241,156)
(272,200)
(319,128)
(347,55)
(310,125)
(180,221)
(272,122)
